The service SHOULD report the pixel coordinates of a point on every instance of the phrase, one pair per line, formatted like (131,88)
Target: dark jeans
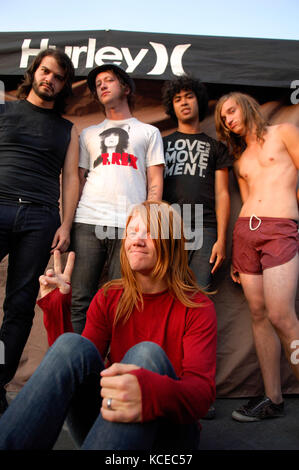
(199,260)
(67,384)
(91,255)
(26,235)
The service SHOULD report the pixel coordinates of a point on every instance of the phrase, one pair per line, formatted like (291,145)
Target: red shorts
(269,243)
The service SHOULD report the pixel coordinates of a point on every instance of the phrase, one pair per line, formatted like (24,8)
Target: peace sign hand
(55,277)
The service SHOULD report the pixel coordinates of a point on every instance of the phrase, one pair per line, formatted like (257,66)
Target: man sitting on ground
(160,331)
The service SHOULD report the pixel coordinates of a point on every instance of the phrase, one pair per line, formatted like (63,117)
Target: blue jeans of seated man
(26,234)
(199,260)
(92,252)
(67,384)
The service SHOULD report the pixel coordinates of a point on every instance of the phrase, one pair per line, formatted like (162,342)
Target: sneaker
(211,413)
(257,409)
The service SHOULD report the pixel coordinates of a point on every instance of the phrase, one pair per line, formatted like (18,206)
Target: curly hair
(185,82)
(252,117)
(64,62)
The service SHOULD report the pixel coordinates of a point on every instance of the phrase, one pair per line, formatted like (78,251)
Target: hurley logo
(117,55)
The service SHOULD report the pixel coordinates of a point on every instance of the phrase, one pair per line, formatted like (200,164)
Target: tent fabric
(238,371)
(220,60)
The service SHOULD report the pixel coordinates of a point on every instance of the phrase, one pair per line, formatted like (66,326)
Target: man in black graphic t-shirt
(35,144)
(196,174)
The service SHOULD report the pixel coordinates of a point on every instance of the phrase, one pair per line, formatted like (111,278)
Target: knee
(147,349)
(257,311)
(71,345)
(150,356)
(71,357)
(283,321)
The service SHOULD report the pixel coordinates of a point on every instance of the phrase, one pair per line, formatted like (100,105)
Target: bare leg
(280,287)
(268,347)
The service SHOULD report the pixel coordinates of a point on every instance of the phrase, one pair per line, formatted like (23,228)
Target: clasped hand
(124,390)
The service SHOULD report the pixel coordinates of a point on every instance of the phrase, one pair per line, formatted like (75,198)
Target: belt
(21,201)
(14,201)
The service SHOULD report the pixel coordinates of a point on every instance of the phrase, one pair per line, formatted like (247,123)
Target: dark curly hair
(185,82)
(64,62)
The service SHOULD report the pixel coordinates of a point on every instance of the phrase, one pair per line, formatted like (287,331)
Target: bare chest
(264,160)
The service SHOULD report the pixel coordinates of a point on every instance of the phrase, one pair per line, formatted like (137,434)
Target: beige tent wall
(237,368)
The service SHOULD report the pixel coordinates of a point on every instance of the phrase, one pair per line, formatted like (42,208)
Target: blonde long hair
(252,117)
(166,229)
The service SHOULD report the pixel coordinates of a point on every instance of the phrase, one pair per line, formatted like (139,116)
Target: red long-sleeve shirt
(187,335)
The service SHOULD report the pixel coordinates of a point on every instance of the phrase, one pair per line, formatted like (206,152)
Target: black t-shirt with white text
(191,161)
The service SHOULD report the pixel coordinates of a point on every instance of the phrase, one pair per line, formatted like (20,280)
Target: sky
(275,19)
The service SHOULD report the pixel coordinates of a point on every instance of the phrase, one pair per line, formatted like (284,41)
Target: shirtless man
(265,241)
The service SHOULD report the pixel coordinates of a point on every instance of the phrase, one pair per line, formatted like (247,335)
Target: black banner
(222,60)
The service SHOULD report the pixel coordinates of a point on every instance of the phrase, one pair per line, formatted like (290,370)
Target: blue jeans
(67,384)
(91,255)
(199,260)
(26,235)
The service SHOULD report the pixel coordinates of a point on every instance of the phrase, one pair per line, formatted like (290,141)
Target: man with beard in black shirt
(35,144)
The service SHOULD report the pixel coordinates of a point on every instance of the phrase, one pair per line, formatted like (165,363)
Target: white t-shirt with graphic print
(117,155)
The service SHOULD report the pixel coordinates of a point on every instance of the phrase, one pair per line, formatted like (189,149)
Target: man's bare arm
(82,180)
(290,137)
(155,182)
(222,208)
(244,192)
(70,193)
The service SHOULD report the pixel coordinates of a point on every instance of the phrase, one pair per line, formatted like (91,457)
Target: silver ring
(109,403)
